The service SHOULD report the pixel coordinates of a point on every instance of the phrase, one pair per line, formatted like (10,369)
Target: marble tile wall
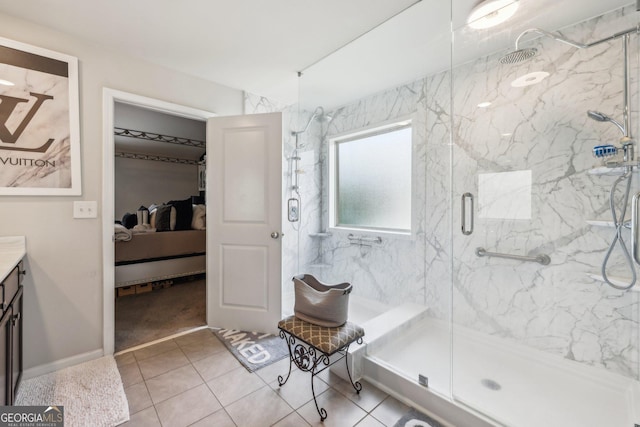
(557,308)
(544,129)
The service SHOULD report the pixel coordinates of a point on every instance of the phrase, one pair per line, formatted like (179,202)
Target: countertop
(12,250)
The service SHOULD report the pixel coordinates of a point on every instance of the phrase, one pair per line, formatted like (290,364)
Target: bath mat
(91,393)
(414,418)
(254,350)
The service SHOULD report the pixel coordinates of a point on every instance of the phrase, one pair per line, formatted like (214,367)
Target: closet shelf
(150,136)
(618,281)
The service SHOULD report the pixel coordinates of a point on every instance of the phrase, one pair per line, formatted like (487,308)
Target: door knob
(275,235)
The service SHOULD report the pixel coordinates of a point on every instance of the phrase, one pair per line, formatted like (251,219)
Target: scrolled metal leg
(281,380)
(356,385)
(321,411)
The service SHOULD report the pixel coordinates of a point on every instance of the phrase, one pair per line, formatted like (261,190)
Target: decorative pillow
(184,213)
(199,220)
(163,218)
(129,220)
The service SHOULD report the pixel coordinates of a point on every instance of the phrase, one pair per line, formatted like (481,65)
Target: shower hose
(619,225)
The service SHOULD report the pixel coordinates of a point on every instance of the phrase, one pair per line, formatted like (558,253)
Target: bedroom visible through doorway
(160,225)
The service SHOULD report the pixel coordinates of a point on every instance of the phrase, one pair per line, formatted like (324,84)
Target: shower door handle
(466,230)
(635,231)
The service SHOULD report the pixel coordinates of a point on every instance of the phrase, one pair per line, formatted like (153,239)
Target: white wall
(63,287)
(144,182)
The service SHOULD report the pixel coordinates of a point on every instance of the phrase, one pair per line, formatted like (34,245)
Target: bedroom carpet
(150,316)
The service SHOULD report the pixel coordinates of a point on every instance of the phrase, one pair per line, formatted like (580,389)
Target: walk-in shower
(524,343)
(534,336)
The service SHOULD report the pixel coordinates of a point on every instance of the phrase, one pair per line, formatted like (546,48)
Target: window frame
(333,142)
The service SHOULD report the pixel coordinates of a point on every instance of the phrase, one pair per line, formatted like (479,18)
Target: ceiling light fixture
(484,104)
(6,83)
(489,13)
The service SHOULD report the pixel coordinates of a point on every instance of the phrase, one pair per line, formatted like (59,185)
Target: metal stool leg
(281,381)
(311,359)
(356,385)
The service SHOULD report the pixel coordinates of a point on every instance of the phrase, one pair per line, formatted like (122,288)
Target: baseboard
(61,364)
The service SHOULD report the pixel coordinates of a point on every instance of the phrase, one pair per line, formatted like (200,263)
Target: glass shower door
(538,338)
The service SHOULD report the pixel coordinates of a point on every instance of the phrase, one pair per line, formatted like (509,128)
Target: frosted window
(373,176)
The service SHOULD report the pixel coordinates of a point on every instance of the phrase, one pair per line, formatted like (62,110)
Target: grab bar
(542,258)
(362,240)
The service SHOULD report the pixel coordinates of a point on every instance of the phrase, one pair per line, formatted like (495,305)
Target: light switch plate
(85,209)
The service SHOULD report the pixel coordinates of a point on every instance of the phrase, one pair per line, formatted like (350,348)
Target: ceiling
(345,49)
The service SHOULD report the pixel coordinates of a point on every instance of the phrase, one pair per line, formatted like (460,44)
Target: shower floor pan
(501,382)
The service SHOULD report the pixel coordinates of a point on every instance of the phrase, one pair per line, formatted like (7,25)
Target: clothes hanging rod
(150,136)
(156,158)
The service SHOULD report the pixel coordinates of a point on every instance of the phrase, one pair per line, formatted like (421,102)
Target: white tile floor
(193,380)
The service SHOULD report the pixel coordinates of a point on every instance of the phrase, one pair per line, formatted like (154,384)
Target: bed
(151,257)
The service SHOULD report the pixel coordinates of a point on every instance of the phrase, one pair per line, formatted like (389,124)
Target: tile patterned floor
(193,380)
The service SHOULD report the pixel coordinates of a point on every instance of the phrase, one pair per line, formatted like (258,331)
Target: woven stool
(312,346)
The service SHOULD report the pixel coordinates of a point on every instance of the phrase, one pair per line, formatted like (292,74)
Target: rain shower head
(601,117)
(519,55)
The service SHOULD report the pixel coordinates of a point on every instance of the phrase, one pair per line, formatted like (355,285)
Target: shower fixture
(522,54)
(294,203)
(519,55)
(318,114)
(628,164)
(601,117)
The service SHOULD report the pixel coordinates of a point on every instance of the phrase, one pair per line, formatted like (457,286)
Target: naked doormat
(254,350)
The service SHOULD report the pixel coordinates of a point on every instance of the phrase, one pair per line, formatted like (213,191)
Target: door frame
(109,98)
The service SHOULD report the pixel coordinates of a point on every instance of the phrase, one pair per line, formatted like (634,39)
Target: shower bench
(314,348)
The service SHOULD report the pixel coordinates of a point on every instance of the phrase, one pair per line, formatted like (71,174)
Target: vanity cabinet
(11,335)
(13,249)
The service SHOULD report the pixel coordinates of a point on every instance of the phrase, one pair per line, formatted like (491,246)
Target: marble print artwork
(49,169)
(542,129)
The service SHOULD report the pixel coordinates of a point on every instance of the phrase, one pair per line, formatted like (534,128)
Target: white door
(244,220)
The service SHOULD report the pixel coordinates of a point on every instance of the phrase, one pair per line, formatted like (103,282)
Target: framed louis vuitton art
(39,121)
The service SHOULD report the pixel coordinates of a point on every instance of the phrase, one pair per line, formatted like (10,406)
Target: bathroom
(502,163)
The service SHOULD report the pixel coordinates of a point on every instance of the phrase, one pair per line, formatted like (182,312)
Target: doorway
(110,99)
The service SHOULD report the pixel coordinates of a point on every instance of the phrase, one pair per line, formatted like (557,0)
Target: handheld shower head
(598,116)
(318,114)
(601,117)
